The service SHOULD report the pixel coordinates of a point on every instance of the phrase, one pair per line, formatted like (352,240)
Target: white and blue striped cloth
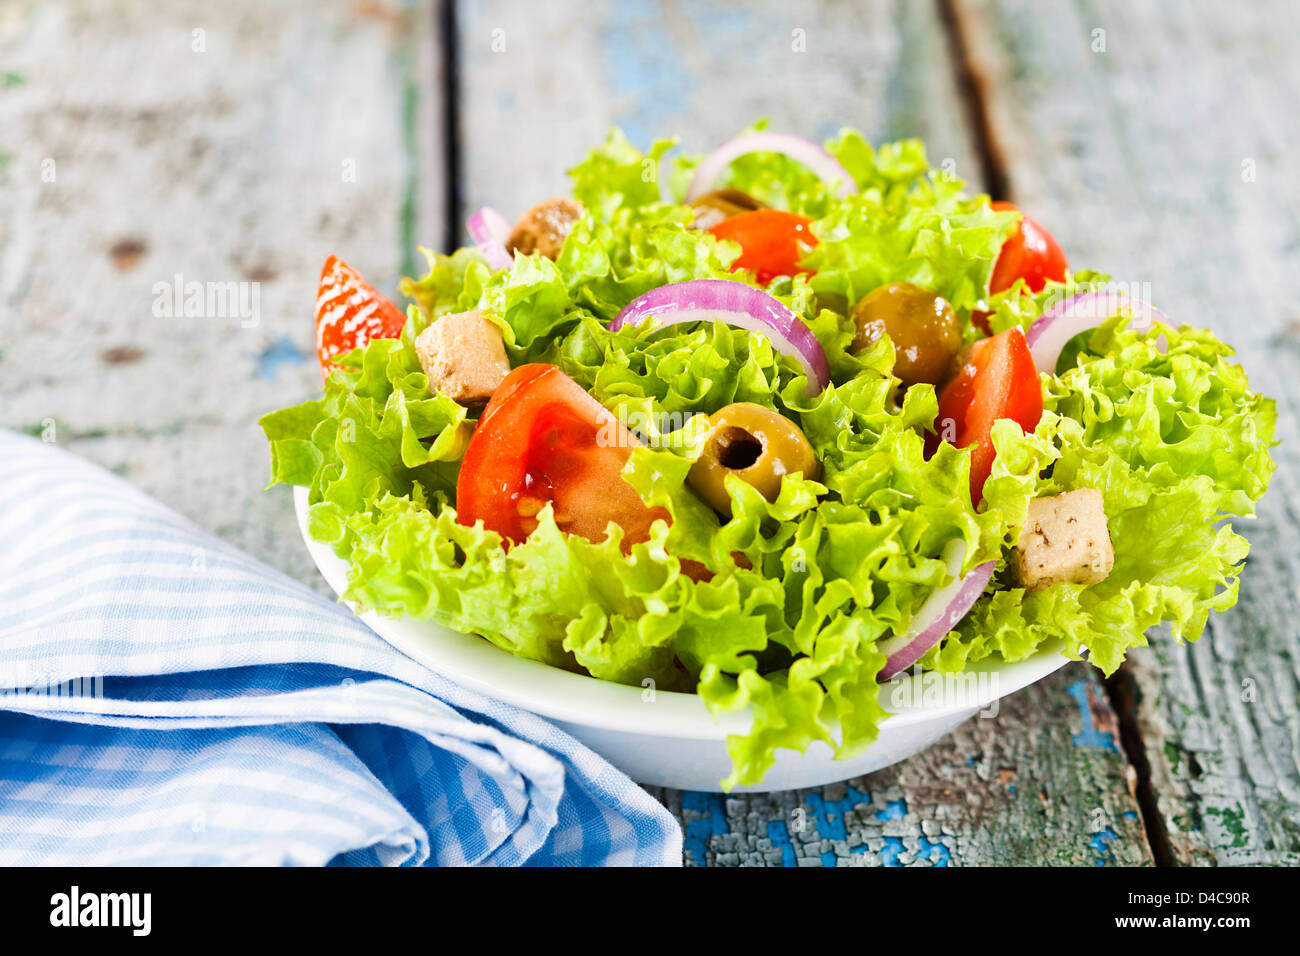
(167,699)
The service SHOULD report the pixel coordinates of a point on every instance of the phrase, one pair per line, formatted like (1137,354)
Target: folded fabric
(167,699)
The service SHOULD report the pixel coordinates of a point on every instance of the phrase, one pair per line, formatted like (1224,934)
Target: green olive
(921,325)
(756,445)
(713,207)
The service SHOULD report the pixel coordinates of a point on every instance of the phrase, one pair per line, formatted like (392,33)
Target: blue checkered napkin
(166,699)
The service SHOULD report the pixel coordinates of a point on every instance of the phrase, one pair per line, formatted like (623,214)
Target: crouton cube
(1065,538)
(464,357)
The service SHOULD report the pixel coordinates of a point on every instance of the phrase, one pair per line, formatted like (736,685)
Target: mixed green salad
(772,426)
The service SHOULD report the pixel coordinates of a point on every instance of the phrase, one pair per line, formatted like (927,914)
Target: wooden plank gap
(973,80)
(449,57)
(1123,693)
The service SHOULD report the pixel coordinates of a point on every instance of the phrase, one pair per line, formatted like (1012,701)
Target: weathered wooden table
(245,141)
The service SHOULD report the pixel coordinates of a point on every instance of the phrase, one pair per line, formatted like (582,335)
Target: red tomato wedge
(542,439)
(1030,253)
(349,313)
(772,241)
(999,380)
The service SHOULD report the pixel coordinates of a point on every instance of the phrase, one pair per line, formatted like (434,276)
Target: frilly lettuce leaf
(1176,442)
(618,176)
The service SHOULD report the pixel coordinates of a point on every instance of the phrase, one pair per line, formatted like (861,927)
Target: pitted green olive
(756,445)
(713,207)
(921,325)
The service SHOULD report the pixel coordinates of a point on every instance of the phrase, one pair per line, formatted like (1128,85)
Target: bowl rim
(557,694)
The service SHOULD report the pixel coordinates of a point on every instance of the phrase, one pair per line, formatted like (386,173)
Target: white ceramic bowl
(671,739)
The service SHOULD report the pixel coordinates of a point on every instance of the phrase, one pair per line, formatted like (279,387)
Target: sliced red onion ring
(939,614)
(489,230)
(703,300)
(797,148)
(1079,313)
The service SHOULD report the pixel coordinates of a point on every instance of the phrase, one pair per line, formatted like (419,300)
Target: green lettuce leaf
(1176,442)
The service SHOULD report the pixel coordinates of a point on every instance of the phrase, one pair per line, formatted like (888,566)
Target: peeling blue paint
(936,853)
(829,859)
(829,815)
(1091,736)
(1129,815)
(891,851)
(634,41)
(712,819)
(712,805)
(894,810)
(1100,844)
(282,351)
(719,20)
(780,837)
